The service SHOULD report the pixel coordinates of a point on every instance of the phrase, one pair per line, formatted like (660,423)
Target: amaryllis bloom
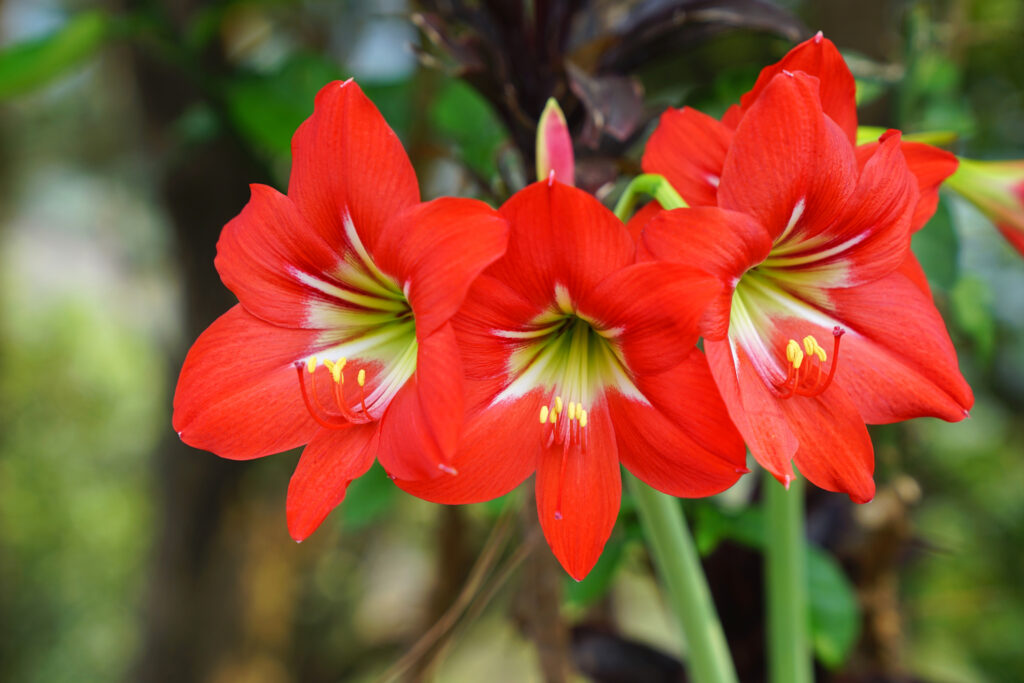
(997,189)
(820,328)
(580,360)
(342,337)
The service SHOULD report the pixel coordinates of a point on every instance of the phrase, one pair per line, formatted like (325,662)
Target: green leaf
(28,65)
(267,108)
(937,248)
(465,119)
(834,611)
(712,525)
(367,498)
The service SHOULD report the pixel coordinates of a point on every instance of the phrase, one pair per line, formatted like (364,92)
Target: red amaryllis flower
(689,147)
(580,360)
(819,329)
(341,339)
(997,189)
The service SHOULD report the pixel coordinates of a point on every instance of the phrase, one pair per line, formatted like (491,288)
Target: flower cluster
(467,348)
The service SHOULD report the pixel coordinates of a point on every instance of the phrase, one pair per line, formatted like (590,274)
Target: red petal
(872,236)
(655,309)
(420,429)
(641,218)
(688,148)
(912,270)
(437,249)
(817,57)
(559,235)
(723,243)
(490,305)
(439,382)
(586,496)
(835,450)
(682,442)
(898,362)
(499,448)
(754,409)
(554,146)
(328,465)
(347,160)
(238,393)
(260,248)
(929,165)
(789,166)
(1013,234)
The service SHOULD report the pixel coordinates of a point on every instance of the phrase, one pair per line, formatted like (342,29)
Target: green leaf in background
(367,498)
(462,116)
(937,246)
(972,309)
(28,65)
(835,614)
(267,108)
(712,525)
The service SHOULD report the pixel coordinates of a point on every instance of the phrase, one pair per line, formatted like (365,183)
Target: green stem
(789,653)
(651,185)
(678,565)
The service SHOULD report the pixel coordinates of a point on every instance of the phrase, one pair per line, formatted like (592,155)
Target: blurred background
(129,132)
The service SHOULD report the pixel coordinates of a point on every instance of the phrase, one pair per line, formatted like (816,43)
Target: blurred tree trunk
(191,613)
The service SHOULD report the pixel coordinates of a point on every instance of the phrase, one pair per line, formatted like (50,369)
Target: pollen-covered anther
(346,415)
(809,378)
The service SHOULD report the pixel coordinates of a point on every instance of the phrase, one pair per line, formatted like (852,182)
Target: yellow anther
(810,343)
(572,410)
(553,417)
(361,378)
(558,404)
(820,353)
(335,369)
(543,414)
(311,364)
(793,353)
(582,417)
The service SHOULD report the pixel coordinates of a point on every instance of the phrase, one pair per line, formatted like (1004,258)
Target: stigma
(805,373)
(347,410)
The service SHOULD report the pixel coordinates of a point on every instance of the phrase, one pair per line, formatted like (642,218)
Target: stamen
(813,381)
(543,414)
(346,416)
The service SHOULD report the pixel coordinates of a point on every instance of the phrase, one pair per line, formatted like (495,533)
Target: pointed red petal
(688,148)
(872,236)
(681,442)
(912,270)
(835,450)
(789,166)
(578,503)
(238,394)
(439,382)
(260,249)
(929,165)
(328,465)
(346,160)
(654,310)
(559,235)
(817,57)
(723,243)
(437,249)
(499,448)
(898,362)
